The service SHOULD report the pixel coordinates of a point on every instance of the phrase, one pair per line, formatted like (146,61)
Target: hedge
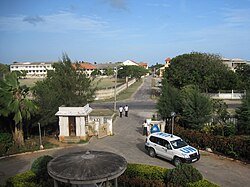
(5,142)
(26,179)
(237,147)
(202,183)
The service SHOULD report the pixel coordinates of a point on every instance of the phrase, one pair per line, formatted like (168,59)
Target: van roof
(165,136)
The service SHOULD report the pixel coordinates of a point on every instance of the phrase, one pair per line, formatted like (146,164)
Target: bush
(39,167)
(5,142)
(202,183)
(182,174)
(26,179)
(145,171)
(233,146)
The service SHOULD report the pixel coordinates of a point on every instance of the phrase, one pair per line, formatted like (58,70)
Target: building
(233,63)
(33,69)
(87,68)
(166,65)
(130,63)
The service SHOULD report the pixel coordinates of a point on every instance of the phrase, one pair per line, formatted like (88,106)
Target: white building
(130,63)
(233,63)
(33,69)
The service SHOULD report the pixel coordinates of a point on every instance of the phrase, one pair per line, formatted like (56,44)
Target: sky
(105,31)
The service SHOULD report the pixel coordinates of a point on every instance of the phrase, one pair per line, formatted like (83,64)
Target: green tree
(4,69)
(243,115)
(96,72)
(204,70)
(67,85)
(242,73)
(196,107)
(132,72)
(108,71)
(168,102)
(15,104)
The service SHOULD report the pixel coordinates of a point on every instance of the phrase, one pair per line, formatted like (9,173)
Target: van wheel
(151,152)
(177,161)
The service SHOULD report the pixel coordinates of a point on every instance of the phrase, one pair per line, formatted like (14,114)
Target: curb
(43,150)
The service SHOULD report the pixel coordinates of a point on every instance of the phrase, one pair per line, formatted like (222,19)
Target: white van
(171,147)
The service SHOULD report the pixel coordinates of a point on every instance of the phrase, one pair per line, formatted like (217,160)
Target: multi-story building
(233,63)
(33,69)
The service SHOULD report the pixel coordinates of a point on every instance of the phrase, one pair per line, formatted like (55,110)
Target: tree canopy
(132,72)
(15,104)
(67,85)
(204,70)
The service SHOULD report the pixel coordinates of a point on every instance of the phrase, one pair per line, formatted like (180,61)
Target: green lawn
(29,82)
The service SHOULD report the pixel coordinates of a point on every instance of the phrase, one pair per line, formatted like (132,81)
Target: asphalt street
(128,142)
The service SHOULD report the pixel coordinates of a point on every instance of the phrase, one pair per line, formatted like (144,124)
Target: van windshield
(179,143)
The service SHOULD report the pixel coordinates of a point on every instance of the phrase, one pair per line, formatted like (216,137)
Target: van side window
(152,139)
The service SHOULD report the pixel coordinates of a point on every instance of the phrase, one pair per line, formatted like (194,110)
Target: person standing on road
(120,110)
(145,128)
(126,110)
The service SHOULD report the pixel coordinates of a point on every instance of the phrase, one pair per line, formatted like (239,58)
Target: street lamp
(172,115)
(115,89)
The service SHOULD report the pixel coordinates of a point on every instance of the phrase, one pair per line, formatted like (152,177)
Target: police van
(171,147)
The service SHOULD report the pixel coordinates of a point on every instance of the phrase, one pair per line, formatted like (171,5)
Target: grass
(29,82)
(109,82)
(126,94)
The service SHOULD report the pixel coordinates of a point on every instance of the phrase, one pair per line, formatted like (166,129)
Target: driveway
(129,142)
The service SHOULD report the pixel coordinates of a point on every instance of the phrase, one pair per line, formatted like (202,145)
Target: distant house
(143,64)
(130,63)
(33,69)
(233,63)
(87,68)
(162,69)
(103,67)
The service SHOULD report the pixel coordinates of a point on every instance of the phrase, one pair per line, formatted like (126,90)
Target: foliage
(132,72)
(39,167)
(202,183)
(196,107)
(68,85)
(26,179)
(243,115)
(145,171)
(15,103)
(96,72)
(108,71)
(182,174)
(237,147)
(4,69)
(242,73)
(5,142)
(169,100)
(204,70)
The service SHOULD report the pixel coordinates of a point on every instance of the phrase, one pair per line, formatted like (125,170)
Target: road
(128,142)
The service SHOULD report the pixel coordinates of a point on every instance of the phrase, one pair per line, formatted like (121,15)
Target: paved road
(129,142)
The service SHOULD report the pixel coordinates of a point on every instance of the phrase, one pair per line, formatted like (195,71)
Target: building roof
(85,66)
(74,111)
(107,65)
(168,59)
(32,63)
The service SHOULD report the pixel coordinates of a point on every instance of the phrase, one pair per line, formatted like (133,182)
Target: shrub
(5,142)
(182,174)
(26,179)
(145,171)
(202,183)
(39,167)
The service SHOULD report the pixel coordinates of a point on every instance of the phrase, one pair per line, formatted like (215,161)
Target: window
(179,143)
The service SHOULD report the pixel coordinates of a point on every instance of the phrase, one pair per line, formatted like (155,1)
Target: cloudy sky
(116,30)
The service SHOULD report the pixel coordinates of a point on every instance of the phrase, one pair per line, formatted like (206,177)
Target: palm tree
(15,104)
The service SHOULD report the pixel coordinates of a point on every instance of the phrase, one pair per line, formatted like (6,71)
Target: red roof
(85,66)
(143,64)
(168,59)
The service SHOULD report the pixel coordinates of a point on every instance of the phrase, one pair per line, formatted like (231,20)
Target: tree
(204,70)
(67,85)
(196,107)
(108,71)
(242,73)
(168,102)
(4,69)
(243,115)
(132,72)
(15,104)
(96,72)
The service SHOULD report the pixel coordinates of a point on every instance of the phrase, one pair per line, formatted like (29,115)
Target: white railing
(227,95)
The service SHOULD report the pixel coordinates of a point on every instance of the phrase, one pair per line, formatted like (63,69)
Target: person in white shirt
(120,110)
(126,110)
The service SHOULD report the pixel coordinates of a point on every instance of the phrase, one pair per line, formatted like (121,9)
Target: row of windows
(36,71)
(30,67)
